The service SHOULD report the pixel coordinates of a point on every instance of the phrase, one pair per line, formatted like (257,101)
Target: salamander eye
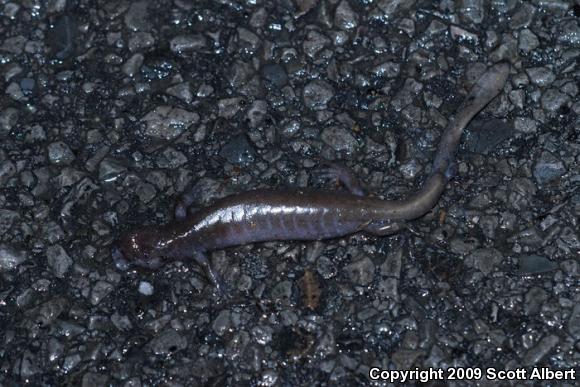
(139,248)
(128,247)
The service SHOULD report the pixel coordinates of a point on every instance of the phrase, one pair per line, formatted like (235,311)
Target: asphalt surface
(110,110)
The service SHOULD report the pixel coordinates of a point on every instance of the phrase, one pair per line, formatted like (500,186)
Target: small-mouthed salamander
(267,215)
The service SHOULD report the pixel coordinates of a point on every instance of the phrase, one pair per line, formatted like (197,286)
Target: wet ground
(111,109)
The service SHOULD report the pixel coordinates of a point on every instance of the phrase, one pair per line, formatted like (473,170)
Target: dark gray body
(264,215)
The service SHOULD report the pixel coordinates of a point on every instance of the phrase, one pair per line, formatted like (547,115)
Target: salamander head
(138,247)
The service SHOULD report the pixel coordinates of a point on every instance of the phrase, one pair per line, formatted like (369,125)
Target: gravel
(110,112)
(58,260)
(10,257)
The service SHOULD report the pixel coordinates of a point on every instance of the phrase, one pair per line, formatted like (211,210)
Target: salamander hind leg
(338,172)
(383,227)
(451,170)
(446,165)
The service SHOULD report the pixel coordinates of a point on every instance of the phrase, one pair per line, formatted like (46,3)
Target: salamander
(303,214)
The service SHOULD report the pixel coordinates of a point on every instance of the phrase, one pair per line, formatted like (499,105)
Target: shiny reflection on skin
(248,212)
(253,218)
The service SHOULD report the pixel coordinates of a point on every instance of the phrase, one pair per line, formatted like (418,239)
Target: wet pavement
(112,109)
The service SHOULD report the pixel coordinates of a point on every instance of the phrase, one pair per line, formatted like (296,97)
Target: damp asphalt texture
(110,110)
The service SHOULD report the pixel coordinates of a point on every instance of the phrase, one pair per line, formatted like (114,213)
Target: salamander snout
(136,247)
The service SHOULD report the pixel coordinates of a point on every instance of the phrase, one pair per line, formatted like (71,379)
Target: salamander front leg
(183,204)
(184,201)
(383,227)
(215,279)
(335,171)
